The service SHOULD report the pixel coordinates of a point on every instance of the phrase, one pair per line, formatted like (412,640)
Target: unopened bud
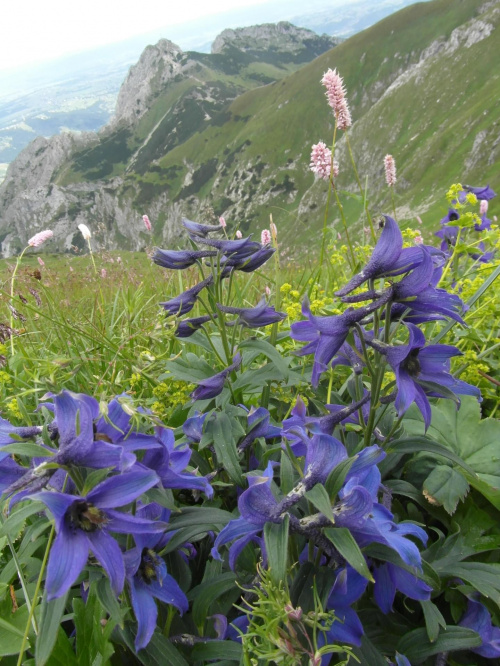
(293,613)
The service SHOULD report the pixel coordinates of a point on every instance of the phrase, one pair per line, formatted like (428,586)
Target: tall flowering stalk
(85,231)
(35,241)
(390,177)
(336,96)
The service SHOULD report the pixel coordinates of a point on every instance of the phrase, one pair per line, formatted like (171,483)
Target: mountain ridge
(246,160)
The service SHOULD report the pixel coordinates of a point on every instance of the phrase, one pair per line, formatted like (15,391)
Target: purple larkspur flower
(259,422)
(193,427)
(84,523)
(180,259)
(241,248)
(10,434)
(187,327)
(349,586)
(478,618)
(261,315)
(482,256)
(197,229)
(147,577)
(185,302)
(421,371)
(482,193)
(326,335)
(170,462)
(251,262)
(418,290)
(385,253)
(256,504)
(389,578)
(452,216)
(485,223)
(212,386)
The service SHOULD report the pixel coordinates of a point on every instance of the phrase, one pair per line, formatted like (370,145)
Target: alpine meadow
(249,357)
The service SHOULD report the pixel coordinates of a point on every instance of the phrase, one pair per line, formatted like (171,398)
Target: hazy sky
(36,30)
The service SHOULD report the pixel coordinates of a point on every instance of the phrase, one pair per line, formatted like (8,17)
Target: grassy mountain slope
(257,161)
(422,85)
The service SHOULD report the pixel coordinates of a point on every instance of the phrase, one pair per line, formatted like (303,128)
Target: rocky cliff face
(183,141)
(157,66)
(282,36)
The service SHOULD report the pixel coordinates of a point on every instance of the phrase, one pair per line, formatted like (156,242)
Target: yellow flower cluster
(13,409)
(169,396)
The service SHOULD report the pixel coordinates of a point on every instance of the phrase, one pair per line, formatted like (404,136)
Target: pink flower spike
(483,207)
(390,170)
(335,94)
(321,162)
(419,219)
(239,234)
(274,231)
(104,273)
(268,291)
(147,222)
(40,238)
(265,237)
(222,222)
(418,240)
(41,261)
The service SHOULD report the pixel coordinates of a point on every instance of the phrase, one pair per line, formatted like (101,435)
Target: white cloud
(32,31)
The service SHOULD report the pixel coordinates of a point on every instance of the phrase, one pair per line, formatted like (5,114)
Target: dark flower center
(85,516)
(411,363)
(148,565)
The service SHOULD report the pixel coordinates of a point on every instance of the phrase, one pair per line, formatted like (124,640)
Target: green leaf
(62,653)
(227,650)
(267,349)
(484,577)
(52,612)
(205,594)
(445,487)
(319,498)
(191,369)
(158,652)
(225,446)
(463,433)
(344,542)
(433,620)
(109,602)
(18,516)
(418,444)
(11,638)
(93,479)
(29,449)
(276,540)
(368,653)
(337,476)
(286,474)
(200,516)
(416,646)
(259,377)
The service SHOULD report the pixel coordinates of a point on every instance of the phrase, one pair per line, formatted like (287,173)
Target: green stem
(361,191)
(344,221)
(20,575)
(35,595)
(12,280)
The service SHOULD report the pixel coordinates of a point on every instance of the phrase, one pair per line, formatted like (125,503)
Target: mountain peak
(158,64)
(282,36)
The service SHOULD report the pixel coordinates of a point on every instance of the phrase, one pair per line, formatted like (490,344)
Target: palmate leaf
(474,440)
(416,646)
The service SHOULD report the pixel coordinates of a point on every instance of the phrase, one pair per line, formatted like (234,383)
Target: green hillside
(422,85)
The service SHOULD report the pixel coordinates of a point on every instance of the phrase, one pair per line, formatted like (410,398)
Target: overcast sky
(35,30)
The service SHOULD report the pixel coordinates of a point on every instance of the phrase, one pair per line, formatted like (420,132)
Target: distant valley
(79,92)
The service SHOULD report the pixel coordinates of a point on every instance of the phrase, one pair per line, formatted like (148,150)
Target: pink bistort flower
(265,237)
(335,94)
(222,222)
(483,207)
(40,237)
(147,222)
(321,162)
(390,170)
(41,261)
(239,234)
